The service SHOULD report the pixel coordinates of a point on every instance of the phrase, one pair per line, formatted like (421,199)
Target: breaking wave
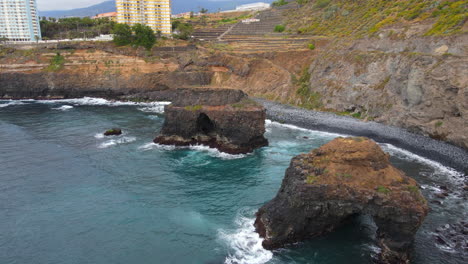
(113,142)
(63,108)
(213,152)
(244,244)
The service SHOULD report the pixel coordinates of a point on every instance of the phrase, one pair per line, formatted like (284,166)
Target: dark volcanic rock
(113,132)
(344,178)
(221,118)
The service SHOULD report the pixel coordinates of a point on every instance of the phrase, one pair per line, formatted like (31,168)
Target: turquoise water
(69,195)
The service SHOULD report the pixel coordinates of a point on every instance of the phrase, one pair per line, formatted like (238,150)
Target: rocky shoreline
(445,153)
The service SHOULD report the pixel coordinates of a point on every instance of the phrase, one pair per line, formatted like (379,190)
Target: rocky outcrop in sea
(342,179)
(220,118)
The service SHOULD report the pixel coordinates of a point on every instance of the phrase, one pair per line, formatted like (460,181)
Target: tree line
(75,27)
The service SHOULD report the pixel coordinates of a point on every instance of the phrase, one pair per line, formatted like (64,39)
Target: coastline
(443,152)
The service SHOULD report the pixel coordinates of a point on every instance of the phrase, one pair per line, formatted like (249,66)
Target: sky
(46,5)
(65,4)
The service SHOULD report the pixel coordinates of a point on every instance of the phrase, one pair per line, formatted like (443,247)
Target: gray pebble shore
(446,154)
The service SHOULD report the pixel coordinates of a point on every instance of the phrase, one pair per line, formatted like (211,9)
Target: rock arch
(205,124)
(344,178)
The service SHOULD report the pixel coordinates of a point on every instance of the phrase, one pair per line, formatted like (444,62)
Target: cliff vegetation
(343,18)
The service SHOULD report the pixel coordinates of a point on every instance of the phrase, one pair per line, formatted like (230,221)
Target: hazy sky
(45,5)
(64,4)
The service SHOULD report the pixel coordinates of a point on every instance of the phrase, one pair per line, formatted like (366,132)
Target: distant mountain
(104,7)
(178,6)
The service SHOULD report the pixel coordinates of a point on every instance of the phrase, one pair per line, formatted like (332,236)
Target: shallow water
(70,195)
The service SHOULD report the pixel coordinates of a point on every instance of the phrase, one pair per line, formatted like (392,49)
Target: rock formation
(221,118)
(113,132)
(344,178)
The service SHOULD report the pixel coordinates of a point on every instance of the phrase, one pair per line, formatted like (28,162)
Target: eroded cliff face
(396,77)
(418,83)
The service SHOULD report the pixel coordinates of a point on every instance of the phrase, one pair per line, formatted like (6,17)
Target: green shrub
(56,63)
(311,46)
(279,28)
(279,3)
(122,34)
(139,35)
(382,189)
(144,36)
(322,3)
(439,124)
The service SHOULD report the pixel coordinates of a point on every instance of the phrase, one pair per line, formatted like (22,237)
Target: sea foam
(213,152)
(245,245)
(63,108)
(113,142)
(156,106)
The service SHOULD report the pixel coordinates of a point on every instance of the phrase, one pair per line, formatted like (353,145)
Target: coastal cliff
(344,178)
(381,65)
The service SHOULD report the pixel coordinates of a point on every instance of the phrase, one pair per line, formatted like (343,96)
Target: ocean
(70,195)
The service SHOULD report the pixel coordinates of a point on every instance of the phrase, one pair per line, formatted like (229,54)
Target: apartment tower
(153,13)
(19,20)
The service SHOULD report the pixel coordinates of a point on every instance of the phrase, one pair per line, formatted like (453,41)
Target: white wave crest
(152,145)
(63,108)
(99,136)
(404,154)
(269,124)
(216,153)
(113,142)
(245,245)
(10,103)
(101,101)
(210,151)
(157,107)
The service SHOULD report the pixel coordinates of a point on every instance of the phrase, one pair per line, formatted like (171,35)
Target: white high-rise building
(19,20)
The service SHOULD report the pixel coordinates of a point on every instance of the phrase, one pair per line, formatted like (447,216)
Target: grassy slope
(358,18)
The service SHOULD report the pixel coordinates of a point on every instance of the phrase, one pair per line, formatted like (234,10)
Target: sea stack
(225,119)
(342,179)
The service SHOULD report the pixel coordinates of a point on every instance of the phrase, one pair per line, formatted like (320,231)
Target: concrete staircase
(257,36)
(210,34)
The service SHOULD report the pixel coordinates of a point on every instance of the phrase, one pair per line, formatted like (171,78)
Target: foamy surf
(152,145)
(63,108)
(245,245)
(269,124)
(407,155)
(210,151)
(156,106)
(113,142)
(10,103)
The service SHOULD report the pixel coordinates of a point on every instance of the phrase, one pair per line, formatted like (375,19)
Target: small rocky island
(225,119)
(342,179)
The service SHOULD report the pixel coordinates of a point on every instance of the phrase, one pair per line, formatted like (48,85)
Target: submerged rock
(220,118)
(113,132)
(342,179)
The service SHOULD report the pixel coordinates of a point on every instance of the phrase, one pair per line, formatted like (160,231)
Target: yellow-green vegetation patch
(439,124)
(245,103)
(193,107)
(383,189)
(308,99)
(413,189)
(311,179)
(56,63)
(360,18)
